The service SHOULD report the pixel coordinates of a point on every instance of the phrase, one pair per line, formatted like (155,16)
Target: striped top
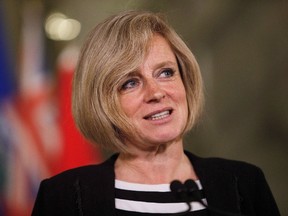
(133,199)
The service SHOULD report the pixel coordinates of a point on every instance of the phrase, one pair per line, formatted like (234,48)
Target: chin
(160,136)
(164,138)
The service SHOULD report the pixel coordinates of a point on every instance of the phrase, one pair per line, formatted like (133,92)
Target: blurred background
(242,49)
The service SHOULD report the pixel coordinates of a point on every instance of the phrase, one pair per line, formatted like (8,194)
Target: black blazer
(229,186)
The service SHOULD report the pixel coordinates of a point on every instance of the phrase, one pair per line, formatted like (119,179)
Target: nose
(153,92)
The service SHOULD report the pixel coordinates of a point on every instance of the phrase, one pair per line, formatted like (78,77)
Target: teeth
(160,115)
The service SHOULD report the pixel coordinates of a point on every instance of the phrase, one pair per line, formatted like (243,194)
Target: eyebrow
(165,63)
(159,65)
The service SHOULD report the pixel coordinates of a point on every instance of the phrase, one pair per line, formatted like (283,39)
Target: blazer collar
(220,187)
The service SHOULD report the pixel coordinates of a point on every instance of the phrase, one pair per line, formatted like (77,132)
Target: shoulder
(91,173)
(74,189)
(231,180)
(229,173)
(222,165)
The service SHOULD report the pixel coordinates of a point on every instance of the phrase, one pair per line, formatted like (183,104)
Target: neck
(162,165)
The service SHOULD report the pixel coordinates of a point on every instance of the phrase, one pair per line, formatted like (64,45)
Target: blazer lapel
(98,196)
(220,186)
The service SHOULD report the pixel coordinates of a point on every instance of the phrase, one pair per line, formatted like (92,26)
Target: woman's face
(154,97)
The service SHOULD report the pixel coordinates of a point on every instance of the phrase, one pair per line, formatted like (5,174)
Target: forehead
(159,48)
(158,54)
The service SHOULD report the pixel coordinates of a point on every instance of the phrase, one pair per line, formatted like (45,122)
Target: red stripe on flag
(76,150)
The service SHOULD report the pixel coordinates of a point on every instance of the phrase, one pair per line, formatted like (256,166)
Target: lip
(149,115)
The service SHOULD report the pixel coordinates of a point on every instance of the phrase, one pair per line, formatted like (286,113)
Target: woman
(137,90)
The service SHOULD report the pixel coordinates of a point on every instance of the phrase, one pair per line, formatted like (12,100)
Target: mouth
(158,115)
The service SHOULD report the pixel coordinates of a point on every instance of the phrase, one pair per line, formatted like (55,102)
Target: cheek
(128,104)
(179,93)
(124,105)
(181,98)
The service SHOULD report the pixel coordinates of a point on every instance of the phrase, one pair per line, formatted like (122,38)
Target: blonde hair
(114,48)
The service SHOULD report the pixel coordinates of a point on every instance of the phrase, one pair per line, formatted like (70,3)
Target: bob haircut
(113,49)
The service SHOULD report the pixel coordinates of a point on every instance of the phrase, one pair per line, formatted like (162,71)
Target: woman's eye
(129,84)
(167,73)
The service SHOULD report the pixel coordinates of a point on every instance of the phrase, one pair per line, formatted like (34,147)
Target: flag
(37,134)
(76,149)
(7,87)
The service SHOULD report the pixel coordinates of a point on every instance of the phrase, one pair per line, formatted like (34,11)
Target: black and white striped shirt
(133,199)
